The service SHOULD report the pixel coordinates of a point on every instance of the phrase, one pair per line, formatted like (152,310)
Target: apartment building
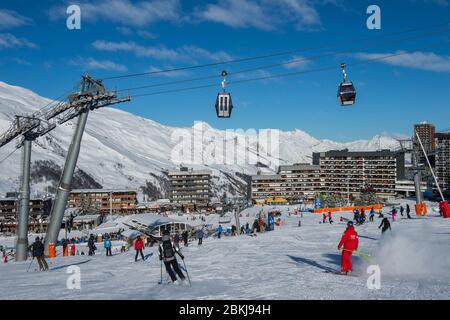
(103,201)
(190,188)
(442,166)
(346,172)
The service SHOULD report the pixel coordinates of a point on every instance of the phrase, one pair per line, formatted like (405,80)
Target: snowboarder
(107,245)
(371,215)
(200,236)
(402,210)
(139,246)
(349,243)
(167,255)
(219,231)
(91,245)
(37,250)
(385,224)
(408,210)
(330,219)
(299,223)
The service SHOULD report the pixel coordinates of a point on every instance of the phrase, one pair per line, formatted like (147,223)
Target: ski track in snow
(288,263)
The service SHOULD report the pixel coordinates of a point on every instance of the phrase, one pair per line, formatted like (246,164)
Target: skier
(349,243)
(247,228)
(255,227)
(139,246)
(330,218)
(324,218)
(91,245)
(408,210)
(371,215)
(176,240)
(385,224)
(107,245)
(362,216)
(73,249)
(185,238)
(394,214)
(356,215)
(401,210)
(65,247)
(37,250)
(200,236)
(219,231)
(167,255)
(233,230)
(299,223)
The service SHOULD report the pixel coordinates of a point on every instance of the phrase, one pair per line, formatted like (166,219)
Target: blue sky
(117,37)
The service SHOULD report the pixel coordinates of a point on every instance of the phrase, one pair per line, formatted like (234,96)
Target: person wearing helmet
(37,249)
(167,255)
(349,243)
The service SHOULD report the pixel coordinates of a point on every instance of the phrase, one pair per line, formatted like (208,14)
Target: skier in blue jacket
(107,245)
(219,231)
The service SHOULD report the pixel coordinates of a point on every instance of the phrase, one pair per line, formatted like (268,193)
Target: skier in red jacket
(139,246)
(349,242)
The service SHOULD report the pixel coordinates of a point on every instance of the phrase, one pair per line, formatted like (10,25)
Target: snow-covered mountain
(122,150)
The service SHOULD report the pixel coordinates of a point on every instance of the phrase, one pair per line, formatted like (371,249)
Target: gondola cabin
(224,105)
(346,94)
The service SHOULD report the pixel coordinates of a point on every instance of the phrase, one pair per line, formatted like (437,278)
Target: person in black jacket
(91,245)
(185,236)
(37,249)
(167,254)
(408,210)
(385,224)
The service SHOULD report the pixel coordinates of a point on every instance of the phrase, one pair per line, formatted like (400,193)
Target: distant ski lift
(346,92)
(224,103)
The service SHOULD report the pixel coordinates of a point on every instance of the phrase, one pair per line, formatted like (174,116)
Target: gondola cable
(282,75)
(293,61)
(271,55)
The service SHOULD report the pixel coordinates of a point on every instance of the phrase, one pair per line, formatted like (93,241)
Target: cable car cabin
(224,105)
(346,94)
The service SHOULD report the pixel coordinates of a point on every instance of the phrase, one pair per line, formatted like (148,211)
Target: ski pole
(161,270)
(364,255)
(29,266)
(187,273)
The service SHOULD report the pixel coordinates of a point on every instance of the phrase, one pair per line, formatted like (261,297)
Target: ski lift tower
(92,95)
(407,146)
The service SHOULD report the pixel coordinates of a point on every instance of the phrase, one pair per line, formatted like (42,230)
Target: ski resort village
(162,152)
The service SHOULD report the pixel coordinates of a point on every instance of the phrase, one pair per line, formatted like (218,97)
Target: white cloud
(297,62)
(93,64)
(185,53)
(11,19)
(172,74)
(428,61)
(9,41)
(261,14)
(125,12)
